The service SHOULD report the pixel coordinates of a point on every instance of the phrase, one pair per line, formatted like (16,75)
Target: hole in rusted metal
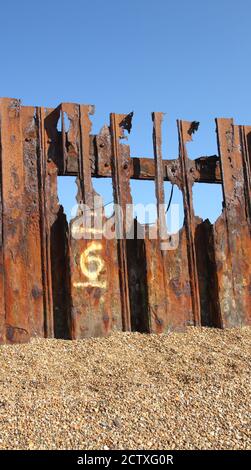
(67,191)
(140,139)
(170,141)
(203,141)
(67,122)
(207,200)
(59,124)
(103,186)
(174,207)
(144,201)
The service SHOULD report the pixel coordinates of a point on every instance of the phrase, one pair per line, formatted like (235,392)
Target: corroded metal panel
(245,136)
(95,296)
(185,131)
(35,304)
(232,230)
(14,223)
(207,273)
(49,206)
(122,197)
(76,280)
(169,299)
(94,274)
(2,297)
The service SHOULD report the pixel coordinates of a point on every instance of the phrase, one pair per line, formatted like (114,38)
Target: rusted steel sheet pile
(55,282)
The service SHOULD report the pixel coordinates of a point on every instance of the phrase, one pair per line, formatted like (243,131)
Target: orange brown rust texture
(16,325)
(56,284)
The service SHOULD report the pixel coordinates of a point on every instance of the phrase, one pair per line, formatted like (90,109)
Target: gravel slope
(128,391)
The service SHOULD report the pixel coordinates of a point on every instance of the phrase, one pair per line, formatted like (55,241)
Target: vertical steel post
(185,131)
(122,197)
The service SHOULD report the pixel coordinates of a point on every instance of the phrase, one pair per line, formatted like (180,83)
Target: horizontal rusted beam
(206,169)
(64,150)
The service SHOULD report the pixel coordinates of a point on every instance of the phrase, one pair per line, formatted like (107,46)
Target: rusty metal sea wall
(47,288)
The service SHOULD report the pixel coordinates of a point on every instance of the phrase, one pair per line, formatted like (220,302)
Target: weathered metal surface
(169,299)
(122,197)
(2,297)
(32,235)
(14,223)
(205,169)
(245,136)
(49,207)
(185,131)
(55,282)
(167,281)
(95,293)
(232,229)
(159,177)
(95,308)
(207,274)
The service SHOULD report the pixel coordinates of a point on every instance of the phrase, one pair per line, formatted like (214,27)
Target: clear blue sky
(190,59)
